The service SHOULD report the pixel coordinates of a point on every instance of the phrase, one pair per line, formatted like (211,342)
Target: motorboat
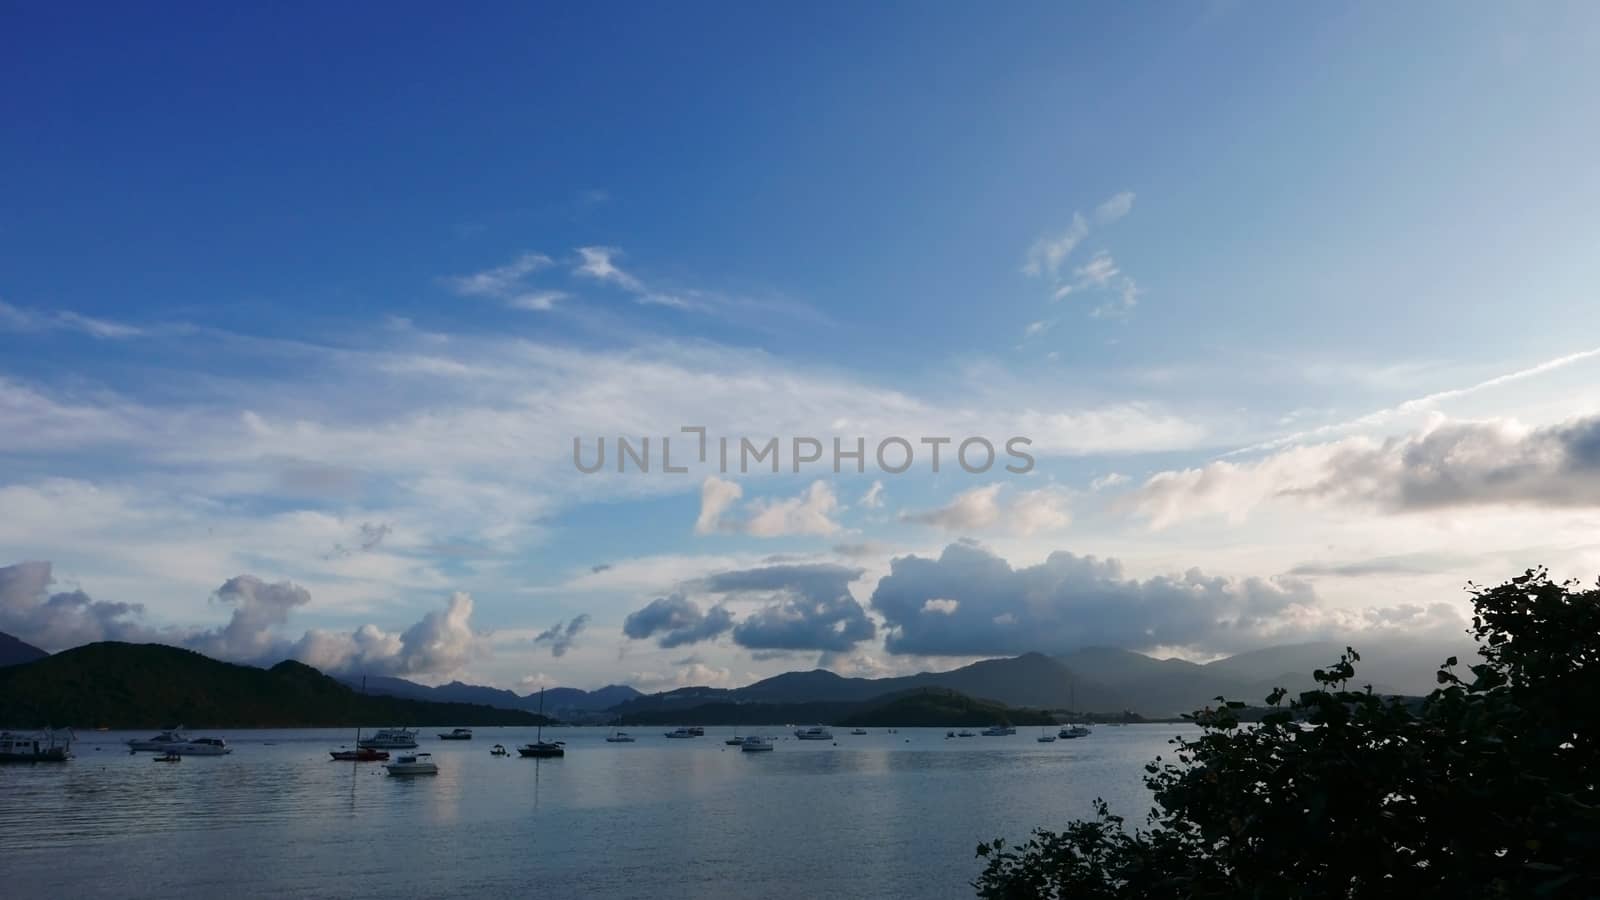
(735,741)
(43,746)
(858,731)
(814,733)
(998,731)
(680,733)
(413,764)
(168,756)
(201,747)
(391,739)
(619,737)
(361,754)
(1073,731)
(499,750)
(965,733)
(457,734)
(697,731)
(161,741)
(756,745)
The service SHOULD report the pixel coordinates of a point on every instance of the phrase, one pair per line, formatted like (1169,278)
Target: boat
(359,755)
(541,748)
(858,731)
(1073,731)
(362,753)
(201,747)
(735,741)
(680,733)
(619,737)
(697,731)
(949,734)
(161,741)
(48,745)
(814,733)
(391,739)
(755,745)
(965,733)
(1045,737)
(457,734)
(413,764)
(499,750)
(998,731)
(168,756)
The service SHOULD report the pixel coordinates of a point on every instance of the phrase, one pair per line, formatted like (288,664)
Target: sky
(304,309)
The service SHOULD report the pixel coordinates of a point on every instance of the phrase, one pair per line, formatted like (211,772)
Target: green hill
(117,685)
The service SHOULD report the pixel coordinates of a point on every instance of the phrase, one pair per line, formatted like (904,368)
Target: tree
(1485,788)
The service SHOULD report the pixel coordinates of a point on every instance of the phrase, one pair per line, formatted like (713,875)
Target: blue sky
(270,276)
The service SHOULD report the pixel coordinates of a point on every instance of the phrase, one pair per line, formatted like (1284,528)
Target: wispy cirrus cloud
(1113,292)
(509,283)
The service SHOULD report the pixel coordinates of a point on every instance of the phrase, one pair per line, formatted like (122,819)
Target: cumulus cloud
(811,512)
(717,496)
(56,621)
(807,607)
(970,602)
(440,643)
(258,609)
(984,508)
(676,621)
(560,636)
(1452,464)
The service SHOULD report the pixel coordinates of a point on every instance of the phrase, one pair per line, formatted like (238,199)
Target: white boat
(814,733)
(858,731)
(1045,737)
(456,734)
(755,745)
(1073,731)
(619,737)
(43,746)
(413,764)
(499,750)
(201,747)
(998,731)
(391,739)
(161,741)
(680,733)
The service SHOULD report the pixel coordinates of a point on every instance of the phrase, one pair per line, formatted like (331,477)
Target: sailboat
(1071,731)
(541,748)
(360,754)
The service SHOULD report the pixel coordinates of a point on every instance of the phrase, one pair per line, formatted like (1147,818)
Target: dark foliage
(1487,788)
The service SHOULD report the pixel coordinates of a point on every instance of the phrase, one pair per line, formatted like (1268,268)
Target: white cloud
(537,301)
(1448,464)
(1100,269)
(717,496)
(1108,481)
(1048,253)
(810,513)
(1114,208)
(984,508)
(500,282)
(599,263)
(873,498)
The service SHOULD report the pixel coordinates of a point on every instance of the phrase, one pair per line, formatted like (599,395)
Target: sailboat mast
(540,738)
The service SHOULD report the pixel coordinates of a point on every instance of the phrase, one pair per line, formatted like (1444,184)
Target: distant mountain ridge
(14,651)
(560,703)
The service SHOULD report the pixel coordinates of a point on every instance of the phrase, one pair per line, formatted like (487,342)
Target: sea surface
(881,815)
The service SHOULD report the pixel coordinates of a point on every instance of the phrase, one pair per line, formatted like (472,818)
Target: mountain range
(117,685)
(15,652)
(570,704)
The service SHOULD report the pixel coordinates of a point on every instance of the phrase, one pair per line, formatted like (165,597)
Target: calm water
(887,815)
